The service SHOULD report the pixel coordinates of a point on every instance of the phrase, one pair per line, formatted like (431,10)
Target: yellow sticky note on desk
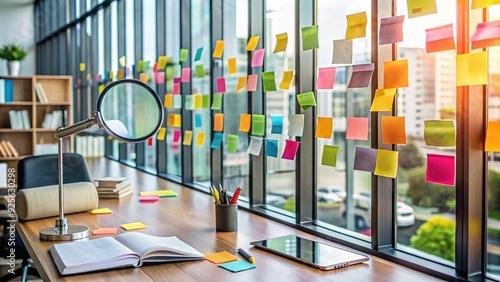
(472,69)
(252,43)
(101,211)
(219,47)
(220,257)
(133,226)
(356,25)
(160,193)
(387,163)
(492,143)
(281,42)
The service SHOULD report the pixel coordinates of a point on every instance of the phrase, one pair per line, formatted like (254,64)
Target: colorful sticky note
(186,74)
(242,81)
(383,100)
(170,119)
(198,54)
(177,101)
(356,25)
(281,42)
(296,127)
(439,133)
(477,4)
(140,65)
(199,71)
(268,82)
(161,134)
(391,30)
(245,120)
(162,62)
(159,77)
(286,81)
(183,55)
(326,78)
(105,231)
(472,69)
(439,38)
(252,43)
(361,75)
(149,199)
(220,257)
(177,120)
(218,122)
(310,37)
(258,124)
(357,128)
(133,226)
(258,58)
(149,143)
(342,51)
(188,138)
(176,88)
(487,34)
(101,211)
(386,163)
(252,82)
(101,88)
(219,48)
(237,266)
(231,66)
(197,120)
(188,102)
(492,142)
(324,127)
(167,101)
(396,74)
(291,148)
(217,102)
(205,103)
(365,159)
(440,169)
(217,141)
(176,135)
(82,67)
(271,148)
(161,193)
(198,101)
(143,77)
(122,61)
(393,130)
(255,146)
(177,70)
(329,156)
(111,75)
(145,67)
(276,124)
(306,100)
(221,85)
(418,8)
(232,143)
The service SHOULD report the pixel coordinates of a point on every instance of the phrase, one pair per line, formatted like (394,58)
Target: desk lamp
(129,111)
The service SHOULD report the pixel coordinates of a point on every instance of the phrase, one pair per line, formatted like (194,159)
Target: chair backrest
(37,171)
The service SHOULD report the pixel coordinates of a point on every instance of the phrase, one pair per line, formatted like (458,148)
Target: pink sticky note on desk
(105,231)
(149,198)
(252,82)
(326,78)
(290,151)
(258,58)
(186,74)
(440,169)
(221,85)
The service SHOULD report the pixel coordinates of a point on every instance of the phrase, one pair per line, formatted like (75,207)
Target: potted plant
(13,53)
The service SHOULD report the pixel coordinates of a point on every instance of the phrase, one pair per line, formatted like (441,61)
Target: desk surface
(190,217)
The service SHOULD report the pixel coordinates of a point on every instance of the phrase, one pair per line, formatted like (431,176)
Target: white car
(405,215)
(329,195)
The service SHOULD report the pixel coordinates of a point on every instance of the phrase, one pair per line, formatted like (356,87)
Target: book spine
(9,90)
(2,90)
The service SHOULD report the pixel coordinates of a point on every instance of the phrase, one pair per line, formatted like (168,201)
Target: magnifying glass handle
(62,132)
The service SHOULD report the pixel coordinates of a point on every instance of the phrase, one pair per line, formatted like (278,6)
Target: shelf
(10,130)
(45,129)
(53,104)
(12,158)
(23,103)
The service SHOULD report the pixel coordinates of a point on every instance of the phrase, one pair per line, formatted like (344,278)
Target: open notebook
(128,249)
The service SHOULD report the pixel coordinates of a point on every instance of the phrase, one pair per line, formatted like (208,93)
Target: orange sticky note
(171,119)
(286,81)
(200,139)
(133,226)
(188,138)
(219,47)
(472,69)
(396,74)
(231,65)
(82,67)
(245,121)
(439,38)
(221,257)
(161,134)
(387,163)
(324,128)
(242,81)
(383,100)
(218,122)
(492,143)
(167,101)
(105,231)
(101,211)
(177,120)
(143,77)
(252,43)
(393,130)
(119,75)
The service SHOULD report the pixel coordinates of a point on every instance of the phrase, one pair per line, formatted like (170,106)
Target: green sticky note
(184,55)
(177,70)
(188,102)
(177,101)
(329,156)
(140,65)
(268,82)
(306,100)
(145,66)
(440,133)
(310,37)
(258,125)
(217,103)
(205,102)
(232,142)
(200,71)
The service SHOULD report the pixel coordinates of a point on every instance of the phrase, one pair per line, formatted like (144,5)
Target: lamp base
(73,232)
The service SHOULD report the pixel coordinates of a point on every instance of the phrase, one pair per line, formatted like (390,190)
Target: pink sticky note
(391,30)
(127,70)
(357,128)
(440,38)
(105,231)
(326,78)
(177,79)
(487,34)
(149,198)
(97,77)
(258,58)
(160,77)
(186,74)
(177,135)
(176,89)
(440,169)
(221,85)
(290,151)
(252,82)
(361,75)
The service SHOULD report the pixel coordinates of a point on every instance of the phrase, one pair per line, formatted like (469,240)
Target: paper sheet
(140,65)
(122,61)
(232,143)
(356,25)
(357,128)
(177,120)
(237,266)
(272,148)
(219,48)
(258,125)
(143,77)
(324,127)
(217,141)
(286,81)
(342,51)
(393,130)
(159,76)
(365,159)
(387,163)
(291,148)
(276,124)
(361,75)
(149,199)
(258,58)
(439,133)
(162,62)
(329,156)
(418,8)
(296,127)
(205,101)
(188,102)
(326,78)
(306,100)
(105,231)
(102,211)
(218,122)
(396,74)
(176,88)
(439,38)
(198,101)
(310,37)
(281,42)
(492,143)
(268,82)
(177,101)
(133,226)
(391,30)
(255,146)
(188,138)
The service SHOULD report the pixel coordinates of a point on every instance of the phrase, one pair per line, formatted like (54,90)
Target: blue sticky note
(271,148)
(197,57)
(197,120)
(237,266)
(276,124)
(217,141)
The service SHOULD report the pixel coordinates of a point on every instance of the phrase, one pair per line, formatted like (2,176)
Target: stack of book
(19,119)
(6,90)
(7,149)
(113,187)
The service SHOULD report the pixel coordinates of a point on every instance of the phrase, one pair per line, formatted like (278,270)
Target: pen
(216,196)
(246,255)
(236,194)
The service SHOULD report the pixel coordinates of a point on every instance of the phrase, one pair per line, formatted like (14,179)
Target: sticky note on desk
(160,193)
(221,257)
(237,266)
(105,231)
(133,226)
(149,198)
(101,211)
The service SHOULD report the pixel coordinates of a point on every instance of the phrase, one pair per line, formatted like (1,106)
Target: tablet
(313,253)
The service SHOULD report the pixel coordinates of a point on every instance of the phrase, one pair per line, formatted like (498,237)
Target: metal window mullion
(72,67)
(82,75)
(140,149)
(94,60)
(161,148)
(121,34)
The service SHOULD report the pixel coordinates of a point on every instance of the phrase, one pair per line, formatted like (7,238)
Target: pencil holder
(226,218)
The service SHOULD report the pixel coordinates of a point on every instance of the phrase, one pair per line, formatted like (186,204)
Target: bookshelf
(58,90)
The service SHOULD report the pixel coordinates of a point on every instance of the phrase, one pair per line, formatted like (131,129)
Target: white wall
(17,25)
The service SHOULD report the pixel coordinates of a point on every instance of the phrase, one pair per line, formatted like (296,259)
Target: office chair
(38,171)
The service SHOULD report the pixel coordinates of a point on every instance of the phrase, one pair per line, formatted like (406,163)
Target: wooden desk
(190,217)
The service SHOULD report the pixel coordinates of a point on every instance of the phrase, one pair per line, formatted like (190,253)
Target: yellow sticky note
(221,257)
(167,101)
(396,74)
(198,101)
(492,143)
(286,81)
(133,226)
(245,121)
(218,122)
(324,127)
(161,193)
(122,61)
(231,65)
(418,8)
(200,139)
(82,67)
(219,47)
(101,88)
(143,77)
(252,43)
(383,100)
(170,119)
(356,25)
(281,42)
(476,4)
(177,120)
(188,138)
(242,82)
(101,211)
(162,62)
(387,163)
(111,74)
(161,134)
(472,69)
